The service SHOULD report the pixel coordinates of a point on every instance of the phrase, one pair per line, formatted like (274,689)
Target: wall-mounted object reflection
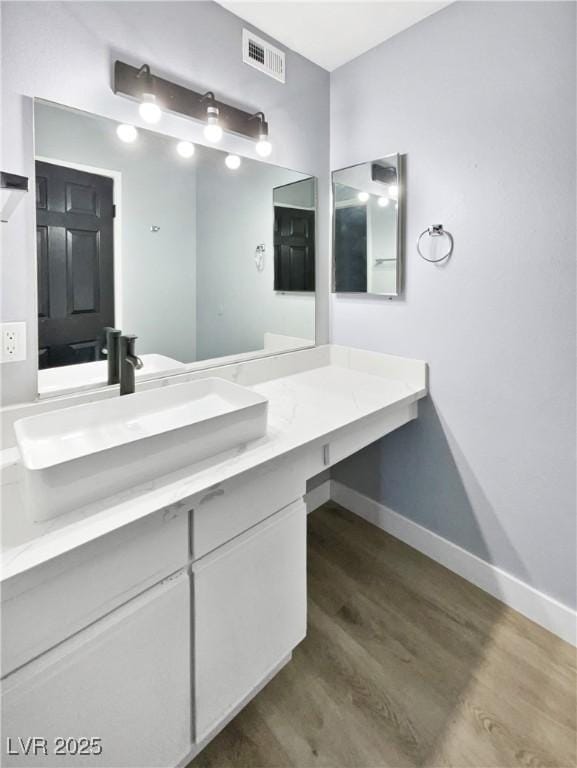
(367,215)
(294,236)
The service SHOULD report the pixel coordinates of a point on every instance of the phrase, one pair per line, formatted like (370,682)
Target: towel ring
(435,230)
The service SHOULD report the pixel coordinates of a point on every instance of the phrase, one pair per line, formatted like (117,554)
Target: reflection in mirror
(198,253)
(366,228)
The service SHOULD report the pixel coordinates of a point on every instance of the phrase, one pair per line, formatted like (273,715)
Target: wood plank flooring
(405,664)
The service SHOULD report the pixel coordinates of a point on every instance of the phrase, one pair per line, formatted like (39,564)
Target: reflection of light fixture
(232,162)
(363,196)
(127,133)
(212,130)
(185,149)
(263,146)
(383,202)
(13,189)
(148,109)
(394,191)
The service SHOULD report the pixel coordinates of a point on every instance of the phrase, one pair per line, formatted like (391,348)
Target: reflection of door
(294,249)
(74,236)
(350,243)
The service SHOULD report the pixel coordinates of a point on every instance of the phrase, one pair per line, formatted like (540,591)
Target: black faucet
(129,363)
(111,350)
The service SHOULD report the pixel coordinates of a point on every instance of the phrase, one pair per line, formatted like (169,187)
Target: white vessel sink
(69,378)
(74,456)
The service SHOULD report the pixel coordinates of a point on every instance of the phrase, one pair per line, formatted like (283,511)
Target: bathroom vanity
(137,625)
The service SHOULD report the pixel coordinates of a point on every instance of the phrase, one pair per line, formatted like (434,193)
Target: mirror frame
(199,365)
(399,230)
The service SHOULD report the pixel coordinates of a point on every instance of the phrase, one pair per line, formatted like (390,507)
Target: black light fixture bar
(129,81)
(386,174)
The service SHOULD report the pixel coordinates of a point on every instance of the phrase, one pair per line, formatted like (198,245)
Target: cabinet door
(125,681)
(249,613)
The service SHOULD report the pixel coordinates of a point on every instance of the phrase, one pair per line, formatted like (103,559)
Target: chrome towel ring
(435,230)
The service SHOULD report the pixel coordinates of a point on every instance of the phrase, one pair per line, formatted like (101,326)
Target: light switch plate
(13,342)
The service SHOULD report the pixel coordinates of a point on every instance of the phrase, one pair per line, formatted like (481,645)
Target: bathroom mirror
(200,254)
(367,212)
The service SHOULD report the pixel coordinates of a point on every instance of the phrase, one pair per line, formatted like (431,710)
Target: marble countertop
(304,407)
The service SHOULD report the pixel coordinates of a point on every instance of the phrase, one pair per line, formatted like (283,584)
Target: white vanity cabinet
(249,600)
(124,681)
(152,677)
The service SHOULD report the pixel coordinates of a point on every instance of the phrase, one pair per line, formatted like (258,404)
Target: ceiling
(332,32)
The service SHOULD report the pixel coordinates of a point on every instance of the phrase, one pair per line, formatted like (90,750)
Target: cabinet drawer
(249,613)
(47,604)
(124,680)
(226,510)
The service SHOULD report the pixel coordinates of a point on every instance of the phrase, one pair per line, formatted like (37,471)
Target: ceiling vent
(263,56)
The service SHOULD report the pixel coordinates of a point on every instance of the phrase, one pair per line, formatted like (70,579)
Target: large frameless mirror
(367,215)
(200,254)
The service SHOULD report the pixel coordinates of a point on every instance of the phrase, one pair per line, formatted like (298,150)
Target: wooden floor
(405,664)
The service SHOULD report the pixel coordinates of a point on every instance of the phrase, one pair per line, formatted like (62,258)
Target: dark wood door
(74,236)
(350,244)
(294,249)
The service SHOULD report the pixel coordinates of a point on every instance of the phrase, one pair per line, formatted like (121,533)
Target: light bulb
(149,110)
(232,162)
(127,133)
(363,196)
(263,147)
(383,202)
(393,191)
(213,132)
(185,149)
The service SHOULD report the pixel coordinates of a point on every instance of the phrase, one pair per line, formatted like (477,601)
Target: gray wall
(64,51)
(481,97)
(237,304)
(158,270)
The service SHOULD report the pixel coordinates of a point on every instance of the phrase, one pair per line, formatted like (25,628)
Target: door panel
(82,254)
(42,265)
(294,249)
(74,218)
(350,244)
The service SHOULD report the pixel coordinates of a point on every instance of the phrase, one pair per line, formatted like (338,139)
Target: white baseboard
(318,496)
(522,597)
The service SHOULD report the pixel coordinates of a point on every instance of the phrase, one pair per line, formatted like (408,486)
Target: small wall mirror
(367,213)
(201,254)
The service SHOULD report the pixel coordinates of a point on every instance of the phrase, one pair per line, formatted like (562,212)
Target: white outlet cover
(12,342)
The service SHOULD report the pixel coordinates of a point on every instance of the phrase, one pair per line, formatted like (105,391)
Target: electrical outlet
(13,347)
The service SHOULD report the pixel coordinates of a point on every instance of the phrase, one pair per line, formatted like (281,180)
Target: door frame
(116,177)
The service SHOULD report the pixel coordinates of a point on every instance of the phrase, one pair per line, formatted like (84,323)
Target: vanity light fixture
(185,149)
(383,202)
(213,129)
(126,133)
(149,110)
(263,145)
(232,162)
(363,196)
(156,95)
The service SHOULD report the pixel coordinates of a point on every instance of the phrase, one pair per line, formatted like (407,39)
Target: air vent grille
(263,56)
